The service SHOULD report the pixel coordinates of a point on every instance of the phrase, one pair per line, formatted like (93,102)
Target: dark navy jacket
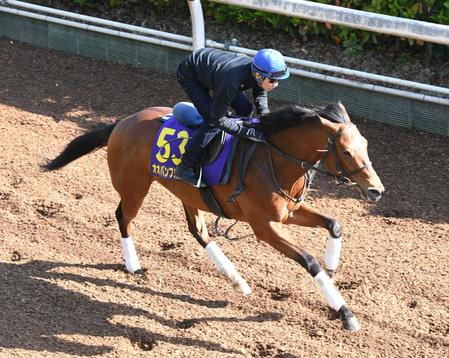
(225,74)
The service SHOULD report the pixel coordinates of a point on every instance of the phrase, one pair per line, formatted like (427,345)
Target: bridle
(341,176)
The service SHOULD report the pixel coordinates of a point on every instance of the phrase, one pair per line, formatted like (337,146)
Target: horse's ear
(345,113)
(328,124)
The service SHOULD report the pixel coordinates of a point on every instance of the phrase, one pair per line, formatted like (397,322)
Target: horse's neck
(302,142)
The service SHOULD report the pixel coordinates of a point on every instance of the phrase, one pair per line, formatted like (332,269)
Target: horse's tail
(82,145)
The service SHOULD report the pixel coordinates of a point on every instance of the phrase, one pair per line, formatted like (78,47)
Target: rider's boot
(189,169)
(190,173)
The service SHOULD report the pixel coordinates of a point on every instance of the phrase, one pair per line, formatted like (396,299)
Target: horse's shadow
(36,312)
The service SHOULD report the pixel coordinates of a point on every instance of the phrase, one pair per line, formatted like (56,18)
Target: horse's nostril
(374,194)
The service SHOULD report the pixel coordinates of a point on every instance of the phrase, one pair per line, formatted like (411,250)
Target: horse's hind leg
(197,227)
(309,217)
(273,234)
(127,210)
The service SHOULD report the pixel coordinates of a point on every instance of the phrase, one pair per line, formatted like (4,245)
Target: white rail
(210,43)
(358,19)
(94,20)
(95,28)
(196,13)
(342,81)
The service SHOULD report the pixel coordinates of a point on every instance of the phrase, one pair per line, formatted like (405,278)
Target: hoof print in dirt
(413,304)
(46,208)
(269,316)
(16,182)
(279,295)
(269,350)
(315,333)
(165,246)
(313,328)
(16,256)
(145,343)
(349,285)
(4,195)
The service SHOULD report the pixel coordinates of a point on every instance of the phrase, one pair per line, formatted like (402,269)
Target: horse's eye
(347,153)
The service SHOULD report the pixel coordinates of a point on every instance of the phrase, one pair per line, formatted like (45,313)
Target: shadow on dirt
(78,89)
(36,312)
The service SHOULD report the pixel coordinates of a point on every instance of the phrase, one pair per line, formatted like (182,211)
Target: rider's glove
(252,134)
(240,129)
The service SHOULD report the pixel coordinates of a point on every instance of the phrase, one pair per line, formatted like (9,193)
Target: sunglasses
(273,75)
(271,80)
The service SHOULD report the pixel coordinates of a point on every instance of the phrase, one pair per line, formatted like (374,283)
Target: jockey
(215,81)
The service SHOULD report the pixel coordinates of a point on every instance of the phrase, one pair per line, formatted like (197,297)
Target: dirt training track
(63,289)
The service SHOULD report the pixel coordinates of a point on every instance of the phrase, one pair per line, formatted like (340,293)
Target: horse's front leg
(308,216)
(197,227)
(273,234)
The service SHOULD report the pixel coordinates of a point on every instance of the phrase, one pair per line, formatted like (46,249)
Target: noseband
(341,176)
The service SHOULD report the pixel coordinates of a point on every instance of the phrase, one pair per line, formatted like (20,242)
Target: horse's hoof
(242,286)
(351,324)
(140,273)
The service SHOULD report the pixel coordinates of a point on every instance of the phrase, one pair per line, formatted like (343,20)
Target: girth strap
(208,195)
(247,154)
(212,203)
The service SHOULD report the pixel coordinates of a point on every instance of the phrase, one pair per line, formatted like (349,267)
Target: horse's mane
(294,115)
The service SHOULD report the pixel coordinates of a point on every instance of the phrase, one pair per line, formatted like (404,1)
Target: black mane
(294,115)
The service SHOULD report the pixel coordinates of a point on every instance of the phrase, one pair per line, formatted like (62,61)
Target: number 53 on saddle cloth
(170,144)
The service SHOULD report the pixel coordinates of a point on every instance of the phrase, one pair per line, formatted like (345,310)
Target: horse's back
(129,146)
(140,126)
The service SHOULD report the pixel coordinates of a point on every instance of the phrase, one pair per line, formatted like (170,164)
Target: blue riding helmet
(270,63)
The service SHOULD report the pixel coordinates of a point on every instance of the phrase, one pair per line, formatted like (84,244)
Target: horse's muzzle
(373,194)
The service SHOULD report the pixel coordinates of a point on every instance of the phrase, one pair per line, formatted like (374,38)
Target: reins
(308,175)
(341,175)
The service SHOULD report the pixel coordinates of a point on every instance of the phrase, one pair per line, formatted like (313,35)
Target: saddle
(171,140)
(186,114)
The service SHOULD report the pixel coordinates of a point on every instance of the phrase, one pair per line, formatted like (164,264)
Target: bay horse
(276,181)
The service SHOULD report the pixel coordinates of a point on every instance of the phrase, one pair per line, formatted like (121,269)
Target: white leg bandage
(329,291)
(226,268)
(332,253)
(129,252)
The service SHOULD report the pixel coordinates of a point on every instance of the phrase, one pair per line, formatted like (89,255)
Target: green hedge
(353,40)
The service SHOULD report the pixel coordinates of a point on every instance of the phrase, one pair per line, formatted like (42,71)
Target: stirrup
(199,183)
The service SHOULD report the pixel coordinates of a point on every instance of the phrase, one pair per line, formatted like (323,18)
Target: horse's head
(305,130)
(347,158)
